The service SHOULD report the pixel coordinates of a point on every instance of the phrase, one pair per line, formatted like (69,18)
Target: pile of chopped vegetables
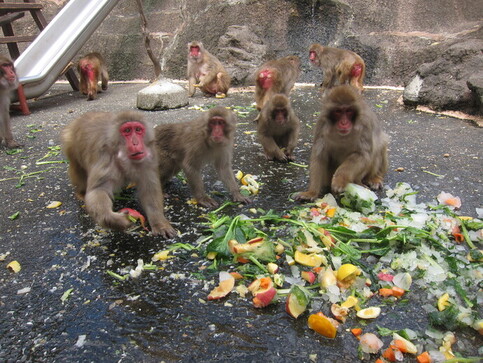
(328,262)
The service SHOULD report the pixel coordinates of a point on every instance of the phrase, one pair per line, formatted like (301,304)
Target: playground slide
(40,65)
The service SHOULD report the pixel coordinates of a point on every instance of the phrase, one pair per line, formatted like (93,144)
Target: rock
(162,95)
(411,92)
(443,83)
(475,84)
(241,50)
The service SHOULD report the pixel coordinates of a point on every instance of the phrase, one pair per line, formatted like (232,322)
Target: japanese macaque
(206,72)
(107,151)
(188,146)
(278,128)
(349,145)
(92,69)
(275,76)
(8,82)
(340,66)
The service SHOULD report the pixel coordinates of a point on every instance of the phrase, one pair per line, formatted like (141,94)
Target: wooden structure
(11,11)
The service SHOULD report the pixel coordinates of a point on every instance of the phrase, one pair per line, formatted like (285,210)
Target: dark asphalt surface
(159,316)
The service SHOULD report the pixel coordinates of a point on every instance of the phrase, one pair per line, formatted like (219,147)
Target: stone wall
(394,37)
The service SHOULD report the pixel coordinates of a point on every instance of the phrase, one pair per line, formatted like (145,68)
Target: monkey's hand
(164,230)
(238,197)
(207,202)
(375,183)
(339,182)
(305,196)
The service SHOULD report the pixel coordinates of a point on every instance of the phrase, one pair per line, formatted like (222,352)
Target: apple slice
(227,283)
(250,246)
(308,276)
(311,260)
(263,291)
(297,302)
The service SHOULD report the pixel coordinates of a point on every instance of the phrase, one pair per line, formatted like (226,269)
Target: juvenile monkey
(8,82)
(107,151)
(340,66)
(92,69)
(278,128)
(350,145)
(188,146)
(206,72)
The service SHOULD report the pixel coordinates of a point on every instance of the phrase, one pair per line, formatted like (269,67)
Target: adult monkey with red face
(8,82)
(107,151)
(349,145)
(275,76)
(340,66)
(188,146)
(92,68)
(206,72)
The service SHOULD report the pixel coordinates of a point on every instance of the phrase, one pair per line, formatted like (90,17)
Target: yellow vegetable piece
(369,313)
(350,302)
(330,212)
(322,325)
(327,278)
(443,302)
(311,260)
(14,266)
(239,175)
(211,255)
(161,256)
(54,204)
(347,272)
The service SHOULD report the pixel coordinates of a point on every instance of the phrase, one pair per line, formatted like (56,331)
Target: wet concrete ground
(159,316)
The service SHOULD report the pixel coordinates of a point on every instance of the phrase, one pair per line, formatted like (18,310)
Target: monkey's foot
(305,196)
(12,144)
(207,202)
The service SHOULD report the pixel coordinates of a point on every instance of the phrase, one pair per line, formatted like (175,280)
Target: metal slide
(39,66)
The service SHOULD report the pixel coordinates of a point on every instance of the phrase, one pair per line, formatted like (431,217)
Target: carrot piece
(386,292)
(389,354)
(397,291)
(379,360)
(356,331)
(424,357)
(242,260)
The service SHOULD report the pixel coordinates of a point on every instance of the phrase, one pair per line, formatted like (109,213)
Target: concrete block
(162,95)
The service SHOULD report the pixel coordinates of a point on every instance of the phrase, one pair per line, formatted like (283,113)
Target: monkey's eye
(138,129)
(127,130)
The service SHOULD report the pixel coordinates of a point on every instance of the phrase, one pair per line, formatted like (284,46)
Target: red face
(312,56)
(217,129)
(195,51)
(343,118)
(9,72)
(280,116)
(133,132)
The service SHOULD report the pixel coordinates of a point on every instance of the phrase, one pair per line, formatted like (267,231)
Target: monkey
(92,68)
(349,145)
(340,66)
(206,72)
(188,146)
(106,151)
(275,76)
(8,82)
(278,127)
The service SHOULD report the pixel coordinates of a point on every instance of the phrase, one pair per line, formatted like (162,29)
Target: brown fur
(338,66)
(188,146)
(285,72)
(359,157)
(278,127)
(206,72)
(99,166)
(88,85)
(6,86)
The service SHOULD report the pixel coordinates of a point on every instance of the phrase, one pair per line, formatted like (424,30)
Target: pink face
(9,72)
(194,51)
(217,129)
(313,57)
(133,133)
(344,118)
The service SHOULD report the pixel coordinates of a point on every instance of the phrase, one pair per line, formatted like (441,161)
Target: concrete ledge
(162,95)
